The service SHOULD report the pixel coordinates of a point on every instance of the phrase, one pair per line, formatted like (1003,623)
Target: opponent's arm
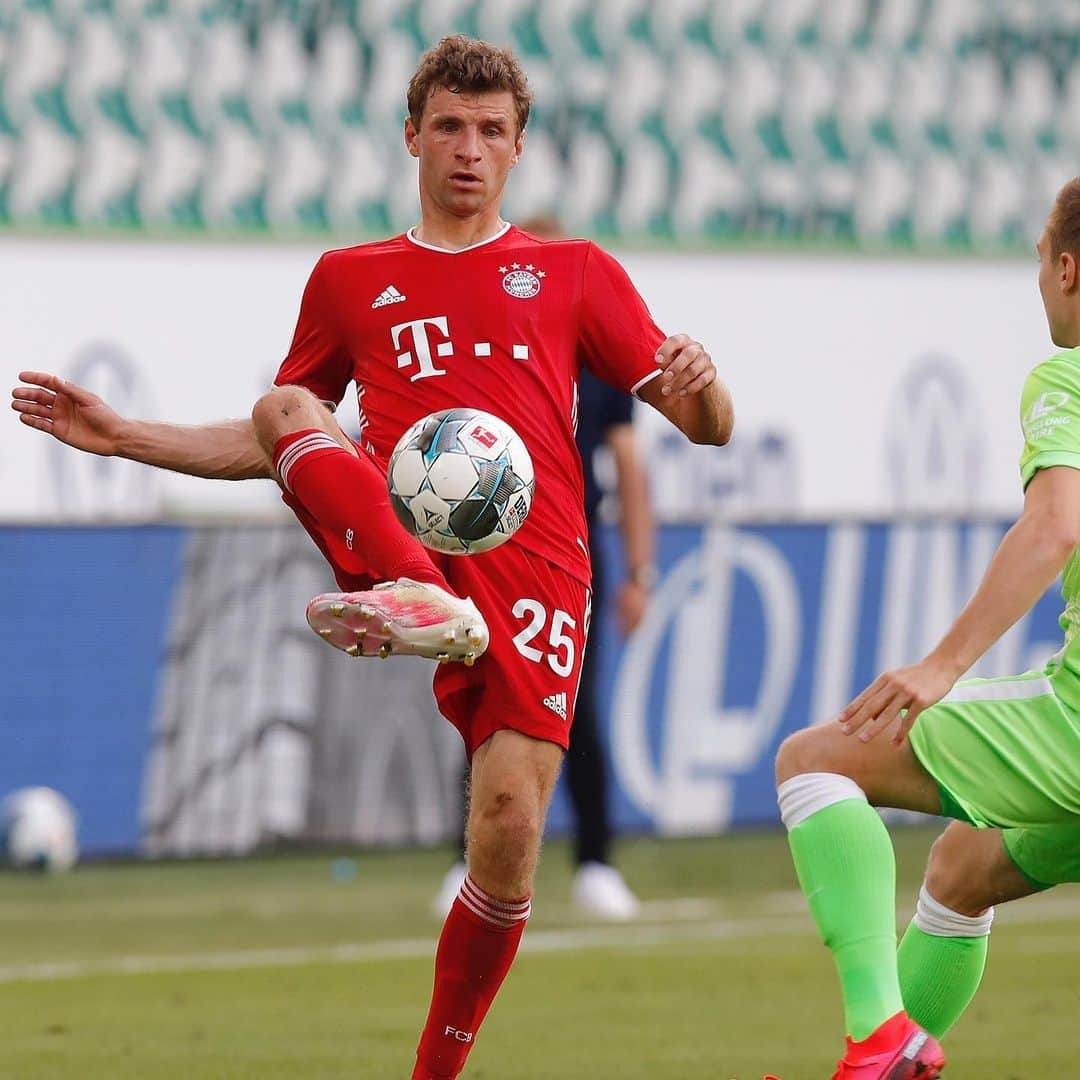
(1031,554)
(689,392)
(635,526)
(223,451)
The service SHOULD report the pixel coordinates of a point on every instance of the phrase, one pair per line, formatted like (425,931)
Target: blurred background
(840,197)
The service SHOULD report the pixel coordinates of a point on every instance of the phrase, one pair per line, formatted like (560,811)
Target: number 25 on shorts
(561,657)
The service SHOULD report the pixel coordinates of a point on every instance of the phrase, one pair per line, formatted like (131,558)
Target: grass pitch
(281,967)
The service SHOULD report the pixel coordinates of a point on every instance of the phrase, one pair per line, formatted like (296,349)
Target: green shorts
(1005,754)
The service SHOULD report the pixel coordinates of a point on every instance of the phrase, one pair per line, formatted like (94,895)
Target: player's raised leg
(844,859)
(513,776)
(340,495)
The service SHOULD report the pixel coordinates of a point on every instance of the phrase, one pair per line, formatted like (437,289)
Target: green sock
(844,858)
(939,976)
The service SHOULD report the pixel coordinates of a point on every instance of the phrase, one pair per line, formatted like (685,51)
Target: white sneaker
(448,891)
(600,891)
(406,617)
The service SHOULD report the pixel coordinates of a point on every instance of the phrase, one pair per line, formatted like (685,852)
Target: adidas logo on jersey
(557,704)
(389,295)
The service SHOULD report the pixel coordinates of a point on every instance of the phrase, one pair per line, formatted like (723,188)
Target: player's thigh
(527,680)
(889,775)
(1005,753)
(516,774)
(970,870)
(1045,856)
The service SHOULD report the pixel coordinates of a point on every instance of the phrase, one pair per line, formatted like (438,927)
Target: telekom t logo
(414,340)
(421,346)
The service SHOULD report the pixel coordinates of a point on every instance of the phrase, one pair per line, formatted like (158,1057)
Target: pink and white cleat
(403,618)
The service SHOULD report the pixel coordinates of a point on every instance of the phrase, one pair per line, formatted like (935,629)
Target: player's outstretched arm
(1031,554)
(689,392)
(79,418)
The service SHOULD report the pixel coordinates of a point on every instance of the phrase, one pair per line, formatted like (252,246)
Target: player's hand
(630,603)
(68,412)
(897,698)
(687,368)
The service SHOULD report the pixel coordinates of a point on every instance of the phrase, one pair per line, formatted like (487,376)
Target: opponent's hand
(68,412)
(687,368)
(897,697)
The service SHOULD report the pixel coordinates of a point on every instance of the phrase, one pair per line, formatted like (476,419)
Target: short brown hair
(469,66)
(1063,225)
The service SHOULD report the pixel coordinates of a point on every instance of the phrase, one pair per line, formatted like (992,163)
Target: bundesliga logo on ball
(461,481)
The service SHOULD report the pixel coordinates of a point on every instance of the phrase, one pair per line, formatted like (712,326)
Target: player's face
(1056,282)
(466,144)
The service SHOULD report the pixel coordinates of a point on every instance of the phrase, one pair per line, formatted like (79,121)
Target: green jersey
(1050,417)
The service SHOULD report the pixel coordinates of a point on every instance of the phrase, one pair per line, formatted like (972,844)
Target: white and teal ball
(461,481)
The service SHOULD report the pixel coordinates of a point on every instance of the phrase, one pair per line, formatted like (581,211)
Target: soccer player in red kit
(463,310)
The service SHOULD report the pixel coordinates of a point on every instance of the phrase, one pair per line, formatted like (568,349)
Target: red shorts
(538,618)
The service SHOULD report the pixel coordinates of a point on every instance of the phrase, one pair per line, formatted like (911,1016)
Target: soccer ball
(461,481)
(37,830)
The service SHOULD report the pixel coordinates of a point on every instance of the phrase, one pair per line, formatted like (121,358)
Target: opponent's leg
(413,610)
(943,953)
(513,776)
(844,859)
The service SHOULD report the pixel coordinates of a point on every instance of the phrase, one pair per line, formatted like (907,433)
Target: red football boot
(898,1050)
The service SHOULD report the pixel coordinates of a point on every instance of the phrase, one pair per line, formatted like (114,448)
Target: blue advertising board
(753,632)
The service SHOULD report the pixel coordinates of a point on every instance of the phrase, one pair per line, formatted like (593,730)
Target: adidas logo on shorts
(557,704)
(389,295)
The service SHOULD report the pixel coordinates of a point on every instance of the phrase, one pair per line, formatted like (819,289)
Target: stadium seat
(537,178)
(175,160)
(160,67)
(234,189)
(643,203)
(997,202)
(711,197)
(975,102)
(335,78)
(940,212)
(883,200)
(588,179)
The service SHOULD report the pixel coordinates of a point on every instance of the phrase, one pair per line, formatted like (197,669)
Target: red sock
(479,942)
(346,495)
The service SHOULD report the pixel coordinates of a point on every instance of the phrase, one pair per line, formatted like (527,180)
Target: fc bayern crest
(523,284)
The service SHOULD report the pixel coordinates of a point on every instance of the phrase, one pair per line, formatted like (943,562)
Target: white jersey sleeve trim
(641,382)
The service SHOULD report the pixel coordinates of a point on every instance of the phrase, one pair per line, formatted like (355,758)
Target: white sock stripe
(806,794)
(503,922)
(316,438)
(517,910)
(933,917)
(306,445)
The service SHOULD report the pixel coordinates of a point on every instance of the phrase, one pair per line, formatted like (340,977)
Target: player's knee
(507,822)
(804,752)
(958,875)
(282,410)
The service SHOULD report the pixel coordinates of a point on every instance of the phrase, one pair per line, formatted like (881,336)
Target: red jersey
(503,326)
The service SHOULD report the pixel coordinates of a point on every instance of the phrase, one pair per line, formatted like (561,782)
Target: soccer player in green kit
(1001,756)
